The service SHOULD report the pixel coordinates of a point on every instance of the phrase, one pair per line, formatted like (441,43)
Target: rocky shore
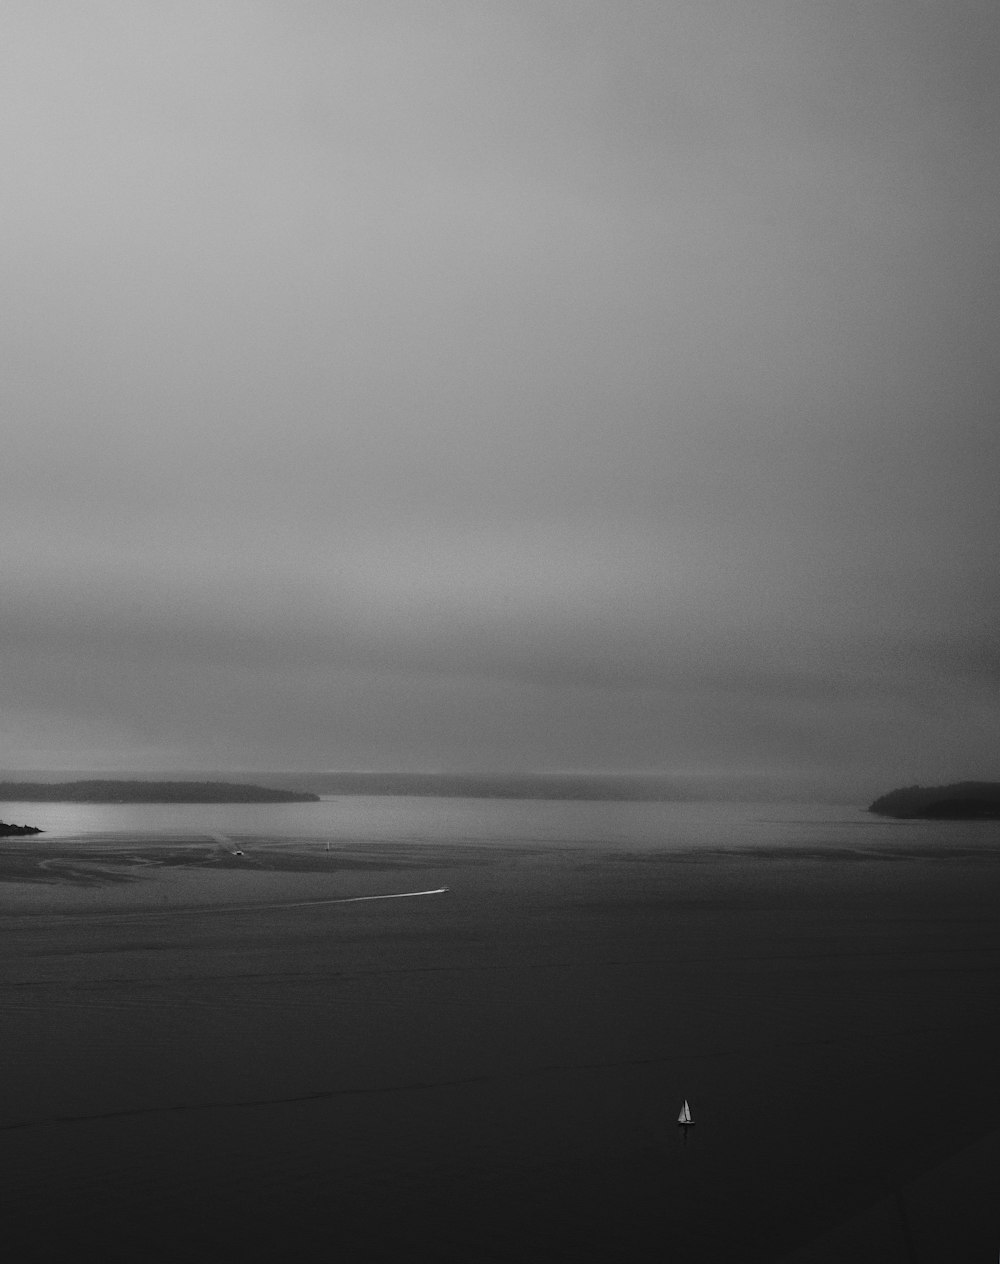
(16,831)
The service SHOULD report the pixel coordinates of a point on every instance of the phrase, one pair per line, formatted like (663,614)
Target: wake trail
(97,918)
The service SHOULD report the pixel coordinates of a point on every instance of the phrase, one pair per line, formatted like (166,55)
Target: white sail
(685,1116)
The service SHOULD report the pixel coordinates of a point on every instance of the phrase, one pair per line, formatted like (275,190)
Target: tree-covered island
(963,801)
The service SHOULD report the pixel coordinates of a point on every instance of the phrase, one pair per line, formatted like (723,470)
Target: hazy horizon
(431,386)
(652,786)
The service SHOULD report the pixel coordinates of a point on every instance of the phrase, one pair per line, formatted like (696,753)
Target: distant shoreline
(962,801)
(269,786)
(556,786)
(147,792)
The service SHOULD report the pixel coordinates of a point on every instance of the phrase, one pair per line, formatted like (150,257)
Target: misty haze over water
(420,386)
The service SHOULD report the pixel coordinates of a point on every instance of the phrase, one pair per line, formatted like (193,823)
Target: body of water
(500,821)
(207,1058)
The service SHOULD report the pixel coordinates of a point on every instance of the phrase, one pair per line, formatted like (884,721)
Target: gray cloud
(483,386)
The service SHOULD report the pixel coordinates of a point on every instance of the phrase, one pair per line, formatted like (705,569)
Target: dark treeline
(147,792)
(963,801)
(17,831)
(213,786)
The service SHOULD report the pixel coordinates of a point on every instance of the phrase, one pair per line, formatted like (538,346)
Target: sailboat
(684,1118)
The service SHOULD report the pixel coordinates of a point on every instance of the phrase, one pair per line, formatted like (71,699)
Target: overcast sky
(515,384)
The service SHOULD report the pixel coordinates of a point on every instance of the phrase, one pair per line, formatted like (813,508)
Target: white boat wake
(344,899)
(399,895)
(243,908)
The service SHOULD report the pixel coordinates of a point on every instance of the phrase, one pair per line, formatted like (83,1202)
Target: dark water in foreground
(494,1073)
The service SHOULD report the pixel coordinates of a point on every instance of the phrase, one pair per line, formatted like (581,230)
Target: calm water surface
(494,1073)
(499,821)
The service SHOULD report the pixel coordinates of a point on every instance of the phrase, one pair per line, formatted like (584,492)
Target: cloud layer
(436,385)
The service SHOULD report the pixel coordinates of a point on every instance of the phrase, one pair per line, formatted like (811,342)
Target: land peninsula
(17,831)
(147,792)
(963,801)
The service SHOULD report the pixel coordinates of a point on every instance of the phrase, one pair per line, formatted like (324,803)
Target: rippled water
(193,1069)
